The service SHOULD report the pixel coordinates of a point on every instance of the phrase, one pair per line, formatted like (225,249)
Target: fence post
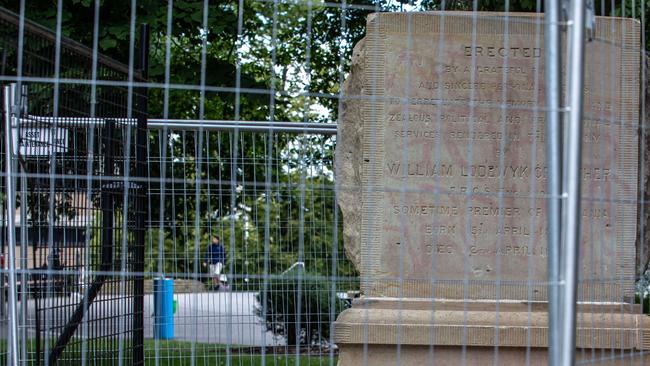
(572,188)
(553,87)
(141,202)
(9,94)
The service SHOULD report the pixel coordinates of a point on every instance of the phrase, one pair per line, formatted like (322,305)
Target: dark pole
(141,201)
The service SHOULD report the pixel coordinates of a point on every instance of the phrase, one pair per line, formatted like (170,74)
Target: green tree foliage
(288,61)
(482,5)
(290,48)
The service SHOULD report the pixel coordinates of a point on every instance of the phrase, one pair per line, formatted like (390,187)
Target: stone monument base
(459,333)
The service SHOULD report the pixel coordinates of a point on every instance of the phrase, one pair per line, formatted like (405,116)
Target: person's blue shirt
(216,254)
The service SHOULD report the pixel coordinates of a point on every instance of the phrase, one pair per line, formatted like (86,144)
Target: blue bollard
(163,299)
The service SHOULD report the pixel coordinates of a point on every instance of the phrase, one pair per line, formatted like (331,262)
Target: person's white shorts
(216,269)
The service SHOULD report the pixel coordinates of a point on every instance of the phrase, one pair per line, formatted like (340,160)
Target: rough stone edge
(349,155)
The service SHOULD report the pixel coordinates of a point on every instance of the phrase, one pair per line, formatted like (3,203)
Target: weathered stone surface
(348,156)
(441,158)
(438,325)
(381,331)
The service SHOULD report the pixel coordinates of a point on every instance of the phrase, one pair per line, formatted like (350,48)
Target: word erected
(491,51)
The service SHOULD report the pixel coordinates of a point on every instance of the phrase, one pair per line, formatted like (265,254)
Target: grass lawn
(172,353)
(180,353)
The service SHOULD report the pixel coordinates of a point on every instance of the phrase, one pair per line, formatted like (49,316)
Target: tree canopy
(250,60)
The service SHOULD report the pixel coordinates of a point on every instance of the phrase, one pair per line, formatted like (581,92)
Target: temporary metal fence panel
(79,191)
(241,149)
(76,280)
(270,198)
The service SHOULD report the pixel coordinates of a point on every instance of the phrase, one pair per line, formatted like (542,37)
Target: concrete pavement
(205,317)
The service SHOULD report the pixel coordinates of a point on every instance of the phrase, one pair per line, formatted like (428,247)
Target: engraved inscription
(454,170)
(419,169)
(496,51)
(423,210)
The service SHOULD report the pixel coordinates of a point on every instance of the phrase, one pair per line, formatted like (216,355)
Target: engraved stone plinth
(441,170)
(442,137)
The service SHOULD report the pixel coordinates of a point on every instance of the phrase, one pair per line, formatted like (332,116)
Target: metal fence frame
(563,279)
(40,58)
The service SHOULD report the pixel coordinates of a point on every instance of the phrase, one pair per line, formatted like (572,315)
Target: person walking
(215,259)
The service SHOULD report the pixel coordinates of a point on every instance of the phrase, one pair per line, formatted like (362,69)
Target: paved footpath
(215,317)
(205,317)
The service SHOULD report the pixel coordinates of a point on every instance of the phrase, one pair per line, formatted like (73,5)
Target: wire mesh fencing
(274,213)
(77,202)
(178,193)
